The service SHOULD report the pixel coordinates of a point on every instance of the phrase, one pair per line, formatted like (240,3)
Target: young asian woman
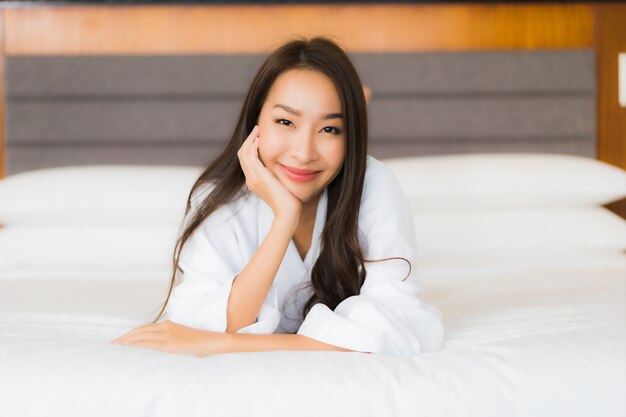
(294,238)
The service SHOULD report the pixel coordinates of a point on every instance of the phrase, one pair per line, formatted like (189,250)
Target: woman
(294,238)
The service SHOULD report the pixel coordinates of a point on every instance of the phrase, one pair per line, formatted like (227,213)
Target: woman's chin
(302,195)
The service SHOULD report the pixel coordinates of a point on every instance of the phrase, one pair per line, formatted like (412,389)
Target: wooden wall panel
(248,29)
(610,40)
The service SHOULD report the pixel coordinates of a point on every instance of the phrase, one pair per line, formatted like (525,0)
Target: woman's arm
(251,286)
(264,342)
(253,283)
(176,338)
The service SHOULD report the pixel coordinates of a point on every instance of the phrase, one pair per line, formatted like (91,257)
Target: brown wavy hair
(338,272)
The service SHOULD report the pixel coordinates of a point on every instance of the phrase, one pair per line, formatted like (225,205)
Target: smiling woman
(295,208)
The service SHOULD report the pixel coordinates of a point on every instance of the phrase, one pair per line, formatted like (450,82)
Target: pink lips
(301,175)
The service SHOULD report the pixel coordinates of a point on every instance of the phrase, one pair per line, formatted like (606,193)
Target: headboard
(162,84)
(74,110)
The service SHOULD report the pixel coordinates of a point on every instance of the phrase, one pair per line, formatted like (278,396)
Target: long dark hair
(339,271)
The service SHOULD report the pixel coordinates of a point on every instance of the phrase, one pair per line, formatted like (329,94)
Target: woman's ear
(368,93)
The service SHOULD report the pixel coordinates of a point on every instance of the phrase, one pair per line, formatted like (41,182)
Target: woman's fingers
(144,335)
(244,152)
(151,343)
(137,331)
(249,158)
(251,136)
(254,154)
(254,132)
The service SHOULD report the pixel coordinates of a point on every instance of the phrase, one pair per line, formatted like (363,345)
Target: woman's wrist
(230,342)
(287,223)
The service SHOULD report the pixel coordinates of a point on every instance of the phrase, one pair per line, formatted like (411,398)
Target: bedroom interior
(501,122)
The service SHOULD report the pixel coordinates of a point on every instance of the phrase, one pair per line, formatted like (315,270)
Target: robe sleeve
(210,260)
(388,315)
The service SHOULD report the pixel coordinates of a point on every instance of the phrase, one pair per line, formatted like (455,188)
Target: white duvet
(545,339)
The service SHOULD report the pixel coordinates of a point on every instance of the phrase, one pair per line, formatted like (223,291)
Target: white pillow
(102,194)
(476,181)
(72,274)
(139,298)
(105,248)
(129,194)
(491,235)
(527,233)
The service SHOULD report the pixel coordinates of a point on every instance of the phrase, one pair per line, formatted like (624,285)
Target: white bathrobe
(387,316)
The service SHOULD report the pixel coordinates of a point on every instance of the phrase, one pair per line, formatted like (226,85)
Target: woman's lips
(300,175)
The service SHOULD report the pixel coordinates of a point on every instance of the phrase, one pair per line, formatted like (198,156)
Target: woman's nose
(303,147)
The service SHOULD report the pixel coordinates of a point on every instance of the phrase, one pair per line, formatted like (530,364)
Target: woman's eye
(283,120)
(332,130)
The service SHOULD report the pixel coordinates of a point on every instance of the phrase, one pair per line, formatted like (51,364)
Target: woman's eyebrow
(299,113)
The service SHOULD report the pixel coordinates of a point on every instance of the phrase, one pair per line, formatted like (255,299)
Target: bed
(516,250)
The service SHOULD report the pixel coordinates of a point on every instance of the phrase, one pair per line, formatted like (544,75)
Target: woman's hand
(176,338)
(263,183)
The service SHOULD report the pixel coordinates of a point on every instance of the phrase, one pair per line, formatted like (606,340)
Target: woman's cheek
(334,151)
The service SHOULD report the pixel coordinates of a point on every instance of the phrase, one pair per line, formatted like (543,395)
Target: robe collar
(266,217)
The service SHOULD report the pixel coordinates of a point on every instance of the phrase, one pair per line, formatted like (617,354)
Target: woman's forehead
(304,92)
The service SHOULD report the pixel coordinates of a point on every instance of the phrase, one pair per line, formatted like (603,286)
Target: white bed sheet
(529,339)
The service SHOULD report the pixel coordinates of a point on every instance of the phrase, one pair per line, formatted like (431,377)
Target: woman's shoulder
(379,180)
(385,217)
(382,192)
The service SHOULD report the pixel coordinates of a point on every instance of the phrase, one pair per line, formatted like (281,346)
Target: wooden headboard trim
(360,28)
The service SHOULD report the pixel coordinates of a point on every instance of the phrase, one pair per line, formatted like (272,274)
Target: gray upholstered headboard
(76,110)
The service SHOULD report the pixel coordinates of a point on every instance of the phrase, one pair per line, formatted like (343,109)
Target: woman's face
(301,132)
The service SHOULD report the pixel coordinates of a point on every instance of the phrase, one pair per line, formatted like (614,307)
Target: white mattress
(528,339)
